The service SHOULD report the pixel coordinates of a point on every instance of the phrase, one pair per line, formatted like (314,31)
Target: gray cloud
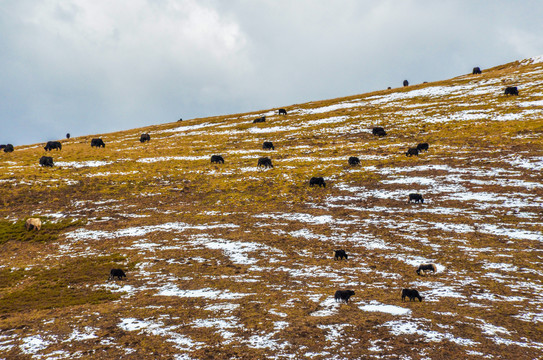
(90,67)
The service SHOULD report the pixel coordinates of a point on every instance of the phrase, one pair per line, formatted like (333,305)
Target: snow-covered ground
(251,276)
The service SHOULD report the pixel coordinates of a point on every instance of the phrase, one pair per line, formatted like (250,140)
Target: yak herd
(412,294)
(340,295)
(7,148)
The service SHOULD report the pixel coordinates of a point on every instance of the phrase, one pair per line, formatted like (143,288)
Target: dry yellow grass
(231,261)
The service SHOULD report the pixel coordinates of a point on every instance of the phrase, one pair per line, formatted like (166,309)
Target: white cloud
(522,41)
(165,27)
(88,67)
(100,63)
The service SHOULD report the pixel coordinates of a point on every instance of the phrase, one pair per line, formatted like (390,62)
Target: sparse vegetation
(232,261)
(15,231)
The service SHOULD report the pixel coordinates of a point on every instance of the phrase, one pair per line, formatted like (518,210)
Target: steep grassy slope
(233,261)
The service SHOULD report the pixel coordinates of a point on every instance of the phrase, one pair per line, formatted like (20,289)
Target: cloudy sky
(97,66)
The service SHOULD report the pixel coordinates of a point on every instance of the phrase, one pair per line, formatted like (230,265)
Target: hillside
(235,261)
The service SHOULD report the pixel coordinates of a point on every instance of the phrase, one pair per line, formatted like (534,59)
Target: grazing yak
(46,161)
(259,120)
(343,295)
(33,223)
(411,152)
(67,135)
(53,145)
(116,273)
(340,254)
(317,181)
(144,138)
(511,90)
(217,159)
(412,294)
(268,145)
(379,131)
(425,268)
(282,112)
(422,147)
(477,70)
(353,161)
(8,148)
(97,143)
(405,83)
(264,161)
(416,198)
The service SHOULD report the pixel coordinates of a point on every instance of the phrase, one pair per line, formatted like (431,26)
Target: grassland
(233,261)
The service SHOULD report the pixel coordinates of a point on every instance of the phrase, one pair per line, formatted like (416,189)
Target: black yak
(116,273)
(422,147)
(412,294)
(511,90)
(53,145)
(217,159)
(340,254)
(317,181)
(97,143)
(145,137)
(264,161)
(379,131)
(46,161)
(268,145)
(343,295)
(415,198)
(353,161)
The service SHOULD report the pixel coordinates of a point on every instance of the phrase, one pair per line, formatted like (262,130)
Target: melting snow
(34,344)
(173,290)
(403,327)
(81,164)
(390,309)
